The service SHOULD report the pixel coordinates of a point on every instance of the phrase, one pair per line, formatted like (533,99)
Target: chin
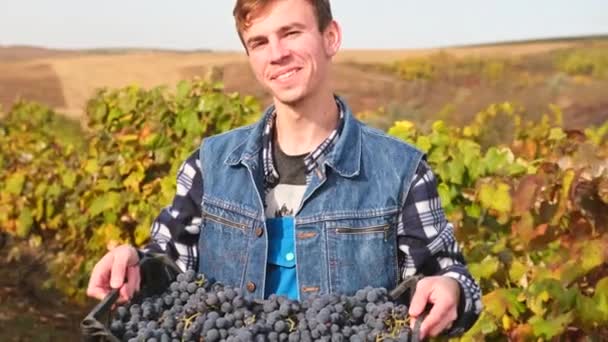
(291,96)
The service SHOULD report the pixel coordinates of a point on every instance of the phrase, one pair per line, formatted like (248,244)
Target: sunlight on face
(287,53)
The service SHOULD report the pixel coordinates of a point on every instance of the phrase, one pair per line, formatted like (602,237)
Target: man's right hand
(110,273)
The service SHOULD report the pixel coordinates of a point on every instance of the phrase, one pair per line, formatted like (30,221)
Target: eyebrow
(283,28)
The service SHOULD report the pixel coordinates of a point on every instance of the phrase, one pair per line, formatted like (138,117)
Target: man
(308,200)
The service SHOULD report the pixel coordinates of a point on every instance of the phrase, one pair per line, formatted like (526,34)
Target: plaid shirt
(424,235)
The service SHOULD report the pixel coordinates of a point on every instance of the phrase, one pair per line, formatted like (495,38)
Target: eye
(292,33)
(256,45)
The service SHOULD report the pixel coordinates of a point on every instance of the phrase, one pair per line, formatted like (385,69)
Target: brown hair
(245,9)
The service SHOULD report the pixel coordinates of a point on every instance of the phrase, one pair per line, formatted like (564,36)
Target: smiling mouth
(286,75)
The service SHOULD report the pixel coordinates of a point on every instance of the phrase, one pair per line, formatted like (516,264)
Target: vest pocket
(384,229)
(223,221)
(361,252)
(224,244)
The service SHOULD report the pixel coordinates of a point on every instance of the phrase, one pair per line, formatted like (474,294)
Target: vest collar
(345,157)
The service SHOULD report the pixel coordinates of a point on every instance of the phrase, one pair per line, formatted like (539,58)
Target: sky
(366,24)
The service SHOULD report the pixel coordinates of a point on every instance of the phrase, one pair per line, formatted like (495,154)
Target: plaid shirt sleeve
(429,247)
(176,229)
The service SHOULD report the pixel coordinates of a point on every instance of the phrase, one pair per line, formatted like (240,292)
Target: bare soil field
(36,81)
(65,80)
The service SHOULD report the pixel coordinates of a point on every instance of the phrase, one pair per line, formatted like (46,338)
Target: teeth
(286,75)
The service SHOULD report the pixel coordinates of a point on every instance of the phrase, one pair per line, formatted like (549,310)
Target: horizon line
(591,36)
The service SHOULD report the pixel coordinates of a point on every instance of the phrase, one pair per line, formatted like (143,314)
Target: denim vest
(345,229)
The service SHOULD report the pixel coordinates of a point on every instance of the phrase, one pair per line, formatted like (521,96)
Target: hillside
(65,79)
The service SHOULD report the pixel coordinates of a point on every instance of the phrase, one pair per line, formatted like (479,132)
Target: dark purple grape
(221,323)
(323,316)
(226,307)
(117,327)
(372,296)
(280,326)
(273,336)
(294,337)
(216,312)
(336,337)
(212,335)
(211,299)
(223,333)
(230,294)
(191,288)
(190,275)
(356,338)
(285,310)
(270,306)
(183,286)
(361,295)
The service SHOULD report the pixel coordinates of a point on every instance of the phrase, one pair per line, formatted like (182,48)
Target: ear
(332,38)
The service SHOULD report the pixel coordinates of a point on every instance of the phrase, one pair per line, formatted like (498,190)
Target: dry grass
(387,56)
(81,76)
(66,80)
(32,81)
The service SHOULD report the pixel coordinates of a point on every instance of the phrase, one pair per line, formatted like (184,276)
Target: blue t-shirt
(281,269)
(282,201)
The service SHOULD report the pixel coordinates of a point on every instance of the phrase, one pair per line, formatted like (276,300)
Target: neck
(301,127)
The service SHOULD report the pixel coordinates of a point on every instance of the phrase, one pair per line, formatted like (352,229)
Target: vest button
(250,286)
(259,231)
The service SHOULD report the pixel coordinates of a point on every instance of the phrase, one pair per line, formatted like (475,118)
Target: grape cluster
(193,309)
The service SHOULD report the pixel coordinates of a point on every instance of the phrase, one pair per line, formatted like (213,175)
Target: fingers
(119,267)
(128,289)
(133,281)
(440,293)
(97,292)
(111,271)
(419,302)
(438,319)
(99,282)
(420,299)
(441,327)
(123,296)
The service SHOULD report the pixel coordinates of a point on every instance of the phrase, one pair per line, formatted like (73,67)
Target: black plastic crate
(158,271)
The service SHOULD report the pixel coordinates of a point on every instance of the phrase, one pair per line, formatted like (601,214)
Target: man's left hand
(443,293)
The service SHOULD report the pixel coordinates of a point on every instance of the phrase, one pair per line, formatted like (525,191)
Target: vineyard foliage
(84,201)
(532,217)
(584,62)
(443,66)
(591,61)
(529,199)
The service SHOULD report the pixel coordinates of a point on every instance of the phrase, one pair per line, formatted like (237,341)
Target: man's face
(287,53)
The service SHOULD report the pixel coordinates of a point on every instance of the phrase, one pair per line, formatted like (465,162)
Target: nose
(278,50)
